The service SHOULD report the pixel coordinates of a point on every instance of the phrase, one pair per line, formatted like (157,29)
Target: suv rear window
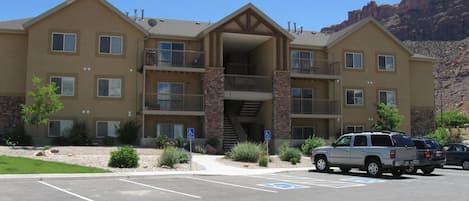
(427,144)
(402,141)
(420,144)
(381,140)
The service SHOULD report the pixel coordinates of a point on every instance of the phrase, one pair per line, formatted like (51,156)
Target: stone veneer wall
(422,121)
(281,105)
(10,113)
(214,91)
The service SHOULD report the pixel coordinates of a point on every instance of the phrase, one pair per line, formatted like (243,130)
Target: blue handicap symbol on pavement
(283,186)
(363,180)
(190,133)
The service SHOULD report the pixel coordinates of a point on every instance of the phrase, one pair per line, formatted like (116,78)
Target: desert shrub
(162,141)
(311,143)
(198,148)
(180,142)
(263,161)
(124,157)
(17,137)
(213,141)
(78,134)
(246,152)
(282,148)
(109,141)
(292,155)
(171,156)
(444,137)
(451,119)
(128,132)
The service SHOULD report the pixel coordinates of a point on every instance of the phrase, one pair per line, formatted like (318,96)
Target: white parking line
(65,191)
(228,184)
(160,189)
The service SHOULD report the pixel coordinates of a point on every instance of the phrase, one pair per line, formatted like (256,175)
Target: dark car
(430,155)
(457,154)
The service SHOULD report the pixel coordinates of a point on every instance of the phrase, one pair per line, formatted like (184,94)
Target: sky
(311,14)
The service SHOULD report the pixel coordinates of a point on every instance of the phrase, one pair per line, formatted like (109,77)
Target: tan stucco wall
(13,50)
(264,117)
(98,19)
(187,121)
(422,85)
(263,57)
(320,87)
(371,41)
(192,81)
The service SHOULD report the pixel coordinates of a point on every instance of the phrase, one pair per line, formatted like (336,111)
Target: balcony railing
(314,106)
(174,102)
(174,58)
(251,83)
(316,66)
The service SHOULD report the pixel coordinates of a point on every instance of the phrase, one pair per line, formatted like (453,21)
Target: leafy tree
(45,102)
(388,118)
(451,119)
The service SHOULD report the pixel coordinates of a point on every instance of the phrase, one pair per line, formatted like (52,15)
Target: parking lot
(444,184)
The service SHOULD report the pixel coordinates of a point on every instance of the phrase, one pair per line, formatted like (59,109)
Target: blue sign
(283,186)
(267,135)
(190,134)
(363,180)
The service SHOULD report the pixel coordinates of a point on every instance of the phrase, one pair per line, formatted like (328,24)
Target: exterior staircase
(230,138)
(250,108)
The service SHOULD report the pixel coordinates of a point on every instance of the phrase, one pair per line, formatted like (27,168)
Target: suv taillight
(392,154)
(427,154)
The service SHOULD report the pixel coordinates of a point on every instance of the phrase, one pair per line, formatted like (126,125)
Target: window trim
(61,77)
(110,78)
(106,121)
(353,63)
(385,69)
(63,34)
(302,131)
(110,44)
(59,120)
(387,90)
(346,98)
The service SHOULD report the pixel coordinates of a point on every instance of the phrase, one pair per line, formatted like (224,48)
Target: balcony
(174,104)
(315,108)
(316,69)
(248,87)
(174,60)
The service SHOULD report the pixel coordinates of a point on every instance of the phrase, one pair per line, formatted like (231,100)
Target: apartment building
(230,79)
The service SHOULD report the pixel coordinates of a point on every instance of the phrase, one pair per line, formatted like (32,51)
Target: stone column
(422,121)
(10,113)
(281,106)
(214,91)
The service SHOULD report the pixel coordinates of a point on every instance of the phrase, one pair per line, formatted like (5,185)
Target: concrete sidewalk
(210,163)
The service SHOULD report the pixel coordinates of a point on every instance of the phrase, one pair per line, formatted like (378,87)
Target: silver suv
(375,152)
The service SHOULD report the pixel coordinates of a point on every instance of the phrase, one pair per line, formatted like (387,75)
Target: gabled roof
(69,2)
(344,33)
(241,10)
(13,26)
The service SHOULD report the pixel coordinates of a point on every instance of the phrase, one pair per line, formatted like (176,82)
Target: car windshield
(402,141)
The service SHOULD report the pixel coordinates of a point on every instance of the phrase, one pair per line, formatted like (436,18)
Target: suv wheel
(427,170)
(465,165)
(411,170)
(373,168)
(322,164)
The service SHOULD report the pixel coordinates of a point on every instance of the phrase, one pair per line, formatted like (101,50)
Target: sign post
(190,137)
(267,139)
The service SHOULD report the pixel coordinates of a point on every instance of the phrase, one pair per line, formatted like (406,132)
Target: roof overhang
(11,31)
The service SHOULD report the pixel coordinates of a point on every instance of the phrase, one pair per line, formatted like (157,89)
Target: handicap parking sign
(267,135)
(283,186)
(190,133)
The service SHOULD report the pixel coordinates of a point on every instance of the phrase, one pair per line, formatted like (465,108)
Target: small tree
(388,118)
(451,119)
(45,102)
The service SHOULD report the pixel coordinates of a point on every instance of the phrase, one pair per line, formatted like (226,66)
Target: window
(360,141)
(58,128)
(171,54)
(387,97)
(301,61)
(344,141)
(107,128)
(402,141)
(172,131)
(170,95)
(353,60)
(302,100)
(386,63)
(64,42)
(65,85)
(354,96)
(110,45)
(302,132)
(109,87)
(381,140)
(353,129)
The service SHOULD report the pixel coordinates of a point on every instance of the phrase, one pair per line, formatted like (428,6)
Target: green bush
(388,118)
(312,143)
(246,152)
(171,157)
(213,141)
(444,137)
(78,134)
(128,132)
(451,119)
(263,161)
(282,148)
(17,137)
(292,155)
(180,142)
(124,157)
(162,141)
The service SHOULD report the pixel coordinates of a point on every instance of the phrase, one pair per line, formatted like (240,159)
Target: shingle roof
(13,25)
(177,28)
(311,38)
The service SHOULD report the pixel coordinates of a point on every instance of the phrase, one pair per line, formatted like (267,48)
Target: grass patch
(19,165)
